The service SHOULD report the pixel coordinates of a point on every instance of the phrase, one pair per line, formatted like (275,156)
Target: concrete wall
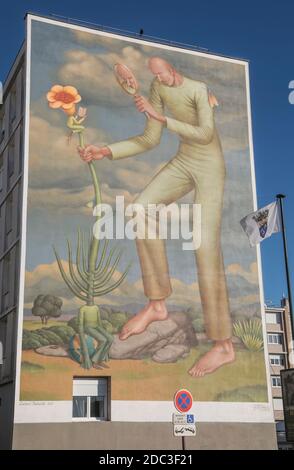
(6,415)
(145,436)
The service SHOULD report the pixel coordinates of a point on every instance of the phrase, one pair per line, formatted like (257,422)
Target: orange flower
(64,97)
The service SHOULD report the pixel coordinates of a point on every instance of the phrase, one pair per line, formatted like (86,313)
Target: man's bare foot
(154,311)
(222,353)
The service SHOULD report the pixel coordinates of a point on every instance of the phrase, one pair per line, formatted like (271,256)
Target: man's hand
(91,152)
(143,106)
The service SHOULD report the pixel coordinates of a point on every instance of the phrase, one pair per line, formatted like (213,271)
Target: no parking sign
(183,400)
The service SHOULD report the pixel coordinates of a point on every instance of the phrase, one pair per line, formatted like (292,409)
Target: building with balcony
(281,356)
(11,184)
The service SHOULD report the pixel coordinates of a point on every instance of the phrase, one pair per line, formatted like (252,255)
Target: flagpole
(280,198)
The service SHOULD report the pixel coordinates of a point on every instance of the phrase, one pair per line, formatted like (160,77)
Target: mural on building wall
(153,314)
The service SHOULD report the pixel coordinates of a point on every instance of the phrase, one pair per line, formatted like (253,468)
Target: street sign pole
(183,443)
(280,198)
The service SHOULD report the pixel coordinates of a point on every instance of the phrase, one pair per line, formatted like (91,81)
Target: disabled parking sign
(183,401)
(190,419)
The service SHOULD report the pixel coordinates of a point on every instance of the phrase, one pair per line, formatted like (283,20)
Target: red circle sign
(183,401)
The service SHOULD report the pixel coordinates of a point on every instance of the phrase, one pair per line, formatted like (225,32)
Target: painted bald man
(199,166)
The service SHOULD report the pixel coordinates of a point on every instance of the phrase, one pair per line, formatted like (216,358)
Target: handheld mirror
(127,80)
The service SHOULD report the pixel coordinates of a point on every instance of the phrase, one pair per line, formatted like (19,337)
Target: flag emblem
(261,220)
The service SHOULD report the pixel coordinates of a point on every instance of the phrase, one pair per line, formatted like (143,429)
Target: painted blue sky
(60,191)
(258,31)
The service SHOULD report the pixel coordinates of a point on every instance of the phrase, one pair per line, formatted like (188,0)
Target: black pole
(280,198)
(183,443)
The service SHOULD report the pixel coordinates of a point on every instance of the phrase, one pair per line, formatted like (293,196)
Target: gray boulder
(163,341)
(171,353)
(52,350)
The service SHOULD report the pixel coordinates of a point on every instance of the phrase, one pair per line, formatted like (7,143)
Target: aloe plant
(250,333)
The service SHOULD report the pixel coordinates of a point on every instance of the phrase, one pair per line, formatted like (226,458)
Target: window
(6,273)
(6,338)
(2,123)
(276,381)
(3,334)
(22,90)
(79,409)
(90,399)
(11,158)
(278,404)
(1,173)
(1,228)
(89,407)
(12,107)
(277,360)
(15,286)
(21,149)
(19,210)
(273,318)
(280,426)
(9,213)
(5,282)
(274,338)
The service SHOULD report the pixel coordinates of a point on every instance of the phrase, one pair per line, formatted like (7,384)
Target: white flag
(262,223)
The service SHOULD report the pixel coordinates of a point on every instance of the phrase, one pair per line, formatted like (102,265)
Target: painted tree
(47,306)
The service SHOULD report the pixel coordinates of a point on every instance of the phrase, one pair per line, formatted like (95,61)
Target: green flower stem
(93,174)
(81,140)
(93,255)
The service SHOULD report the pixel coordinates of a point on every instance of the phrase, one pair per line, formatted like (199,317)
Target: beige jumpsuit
(198,165)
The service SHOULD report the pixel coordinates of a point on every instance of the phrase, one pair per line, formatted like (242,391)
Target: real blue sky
(261,32)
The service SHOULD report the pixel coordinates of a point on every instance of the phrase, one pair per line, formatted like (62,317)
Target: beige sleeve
(146,141)
(203,133)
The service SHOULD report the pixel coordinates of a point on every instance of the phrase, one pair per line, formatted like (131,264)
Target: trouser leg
(209,259)
(170,184)
(104,342)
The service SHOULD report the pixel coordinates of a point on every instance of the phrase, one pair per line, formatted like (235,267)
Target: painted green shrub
(250,333)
